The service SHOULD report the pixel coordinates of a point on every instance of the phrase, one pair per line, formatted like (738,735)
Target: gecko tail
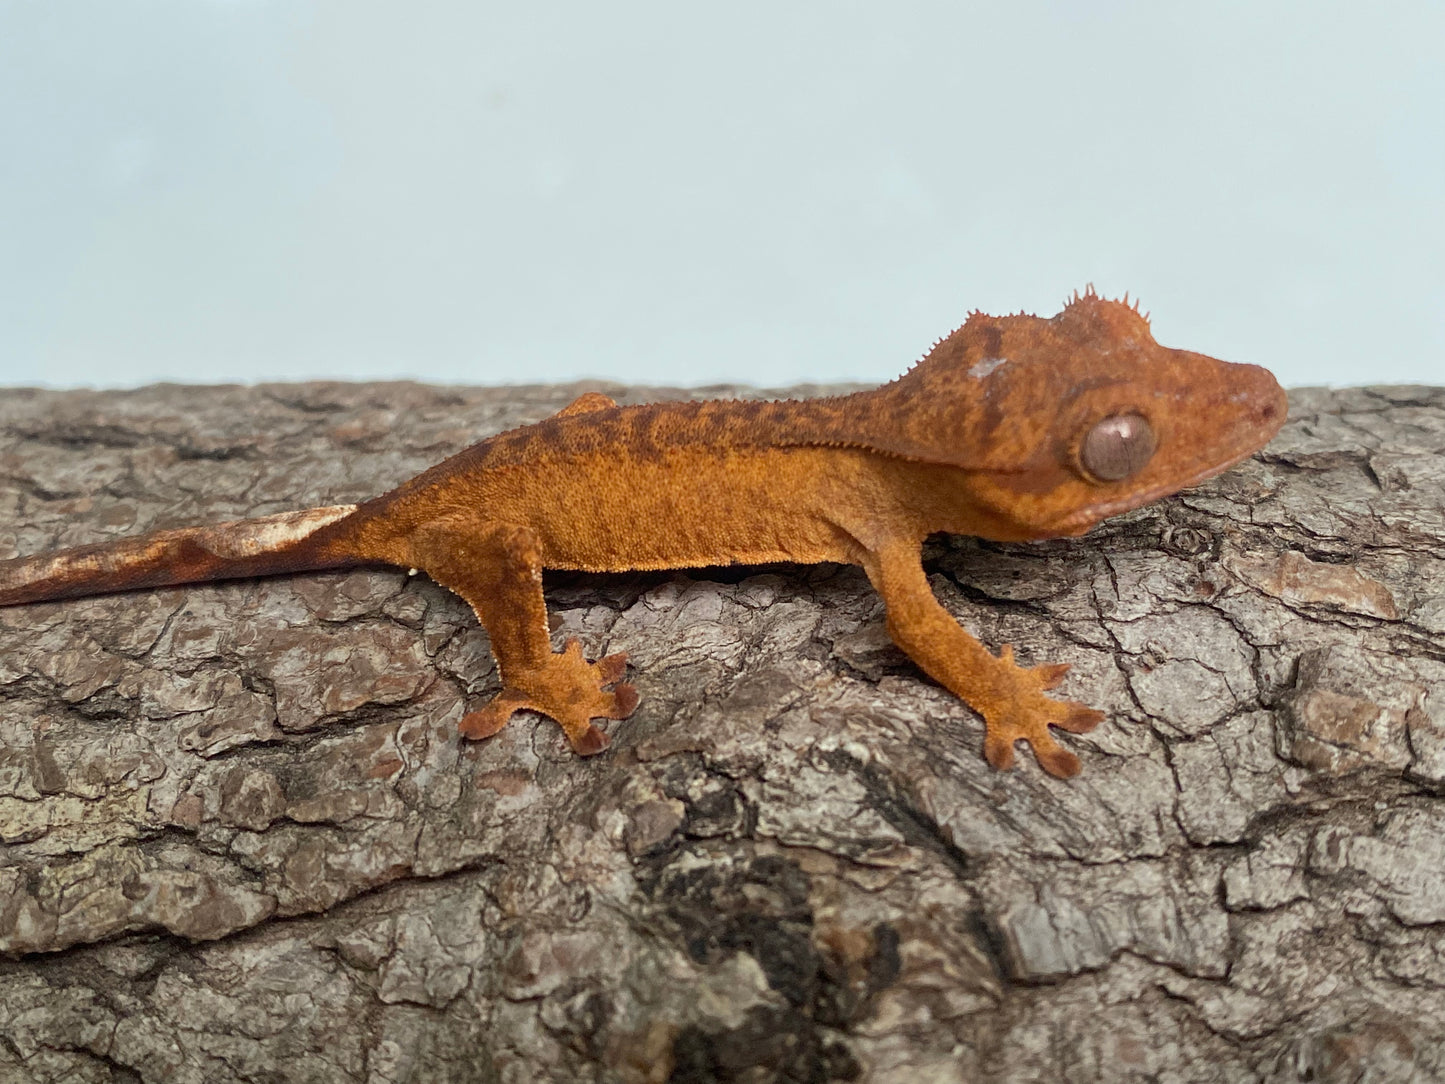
(304,541)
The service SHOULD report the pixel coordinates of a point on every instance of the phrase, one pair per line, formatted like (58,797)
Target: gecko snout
(1254,402)
(1271,404)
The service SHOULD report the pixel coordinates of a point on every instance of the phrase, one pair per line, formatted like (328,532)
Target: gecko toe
(624,701)
(998,750)
(1057,761)
(477,725)
(588,742)
(1029,719)
(610,668)
(491,717)
(1050,674)
(1079,719)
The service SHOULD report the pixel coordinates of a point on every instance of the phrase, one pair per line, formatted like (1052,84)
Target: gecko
(1010,429)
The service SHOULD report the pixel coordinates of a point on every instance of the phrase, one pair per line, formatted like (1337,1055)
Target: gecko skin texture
(1012,428)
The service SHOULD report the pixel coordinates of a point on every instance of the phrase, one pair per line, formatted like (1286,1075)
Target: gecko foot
(566,688)
(1029,714)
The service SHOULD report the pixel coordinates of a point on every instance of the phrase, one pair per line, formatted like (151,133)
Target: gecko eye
(1117,447)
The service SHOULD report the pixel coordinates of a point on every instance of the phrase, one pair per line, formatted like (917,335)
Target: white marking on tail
(248,538)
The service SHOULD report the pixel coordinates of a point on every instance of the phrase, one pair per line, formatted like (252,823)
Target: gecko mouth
(1084,519)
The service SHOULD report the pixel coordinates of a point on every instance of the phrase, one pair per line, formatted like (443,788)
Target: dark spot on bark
(760,906)
(885,965)
(132,888)
(1187,541)
(49,777)
(770,1046)
(991,941)
(712,804)
(582,1020)
(783,950)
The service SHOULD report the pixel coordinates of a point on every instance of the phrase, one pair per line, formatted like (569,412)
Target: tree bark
(241,841)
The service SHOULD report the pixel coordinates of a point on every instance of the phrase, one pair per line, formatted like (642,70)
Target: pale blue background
(673,192)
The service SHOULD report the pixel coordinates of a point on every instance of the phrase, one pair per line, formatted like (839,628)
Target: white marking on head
(987,365)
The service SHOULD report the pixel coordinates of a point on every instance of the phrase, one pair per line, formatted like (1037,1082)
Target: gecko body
(1012,428)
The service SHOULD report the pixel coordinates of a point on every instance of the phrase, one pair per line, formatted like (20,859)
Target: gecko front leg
(497,568)
(1009,697)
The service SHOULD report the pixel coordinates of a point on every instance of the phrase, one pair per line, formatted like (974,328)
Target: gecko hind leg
(497,569)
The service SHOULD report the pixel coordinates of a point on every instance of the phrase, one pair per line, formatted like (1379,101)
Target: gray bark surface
(240,840)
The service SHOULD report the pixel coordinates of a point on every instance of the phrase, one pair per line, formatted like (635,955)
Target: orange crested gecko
(1011,428)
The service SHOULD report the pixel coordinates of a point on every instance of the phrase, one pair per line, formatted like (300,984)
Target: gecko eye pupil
(1117,447)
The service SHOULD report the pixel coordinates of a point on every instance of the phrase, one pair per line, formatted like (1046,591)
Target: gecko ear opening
(1117,447)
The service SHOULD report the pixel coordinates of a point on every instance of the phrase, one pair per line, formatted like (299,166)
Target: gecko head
(1062,422)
